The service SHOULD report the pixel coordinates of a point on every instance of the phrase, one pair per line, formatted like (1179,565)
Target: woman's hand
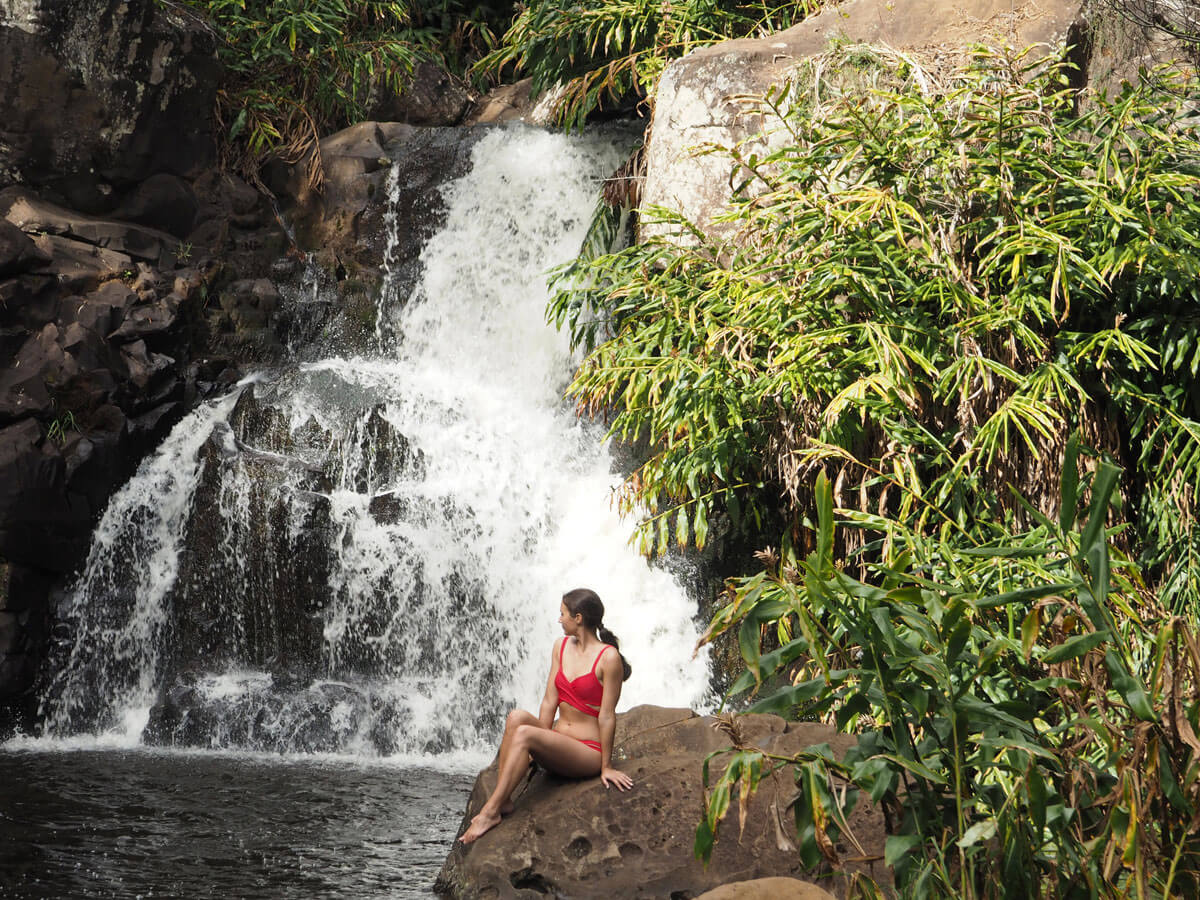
(610,775)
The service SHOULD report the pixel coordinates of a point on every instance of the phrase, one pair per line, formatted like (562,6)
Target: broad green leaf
(1074,647)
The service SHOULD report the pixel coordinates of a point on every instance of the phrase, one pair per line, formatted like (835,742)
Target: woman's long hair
(584,602)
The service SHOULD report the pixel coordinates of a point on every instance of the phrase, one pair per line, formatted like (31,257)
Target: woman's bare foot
(480,825)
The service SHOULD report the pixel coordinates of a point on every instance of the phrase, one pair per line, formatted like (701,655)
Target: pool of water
(143,823)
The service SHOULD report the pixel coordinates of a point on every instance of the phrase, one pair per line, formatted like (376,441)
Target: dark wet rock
(575,838)
(150,319)
(39,527)
(78,265)
(109,325)
(100,94)
(432,97)
(382,455)
(18,252)
(346,219)
(142,367)
(264,615)
(162,202)
(103,309)
(26,630)
(31,213)
(24,388)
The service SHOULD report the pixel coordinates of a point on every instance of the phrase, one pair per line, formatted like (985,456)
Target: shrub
(593,53)
(922,292)
(298,69)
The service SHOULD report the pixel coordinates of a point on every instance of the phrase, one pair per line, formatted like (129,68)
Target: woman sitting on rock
(586,673)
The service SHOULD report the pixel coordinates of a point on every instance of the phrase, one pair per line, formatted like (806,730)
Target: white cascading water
(439,615)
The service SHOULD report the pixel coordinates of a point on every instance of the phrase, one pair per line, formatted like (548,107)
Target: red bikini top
(585,692)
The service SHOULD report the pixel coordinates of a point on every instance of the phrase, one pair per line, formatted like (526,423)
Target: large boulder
(431,96)
(578,839)
(703,99)
(103,93)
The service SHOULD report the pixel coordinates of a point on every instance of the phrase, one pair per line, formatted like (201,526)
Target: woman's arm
(550,698)
(613,677)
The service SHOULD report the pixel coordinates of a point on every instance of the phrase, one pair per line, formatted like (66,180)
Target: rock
(701,98)
(219,600)
(380,455)
(23,386)
(38,527)
(148,430)
(163,202)
(101,93)
(432,97)
(506,103)
(346,221)
(142,367)
(103,309)
(574,838)
(17,252)
(79,266)
(29,212)
(151,319)
(767,889)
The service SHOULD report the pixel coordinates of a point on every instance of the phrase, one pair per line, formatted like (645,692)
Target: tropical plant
(1029,713)
(592,53)
(297,69)
(922,290)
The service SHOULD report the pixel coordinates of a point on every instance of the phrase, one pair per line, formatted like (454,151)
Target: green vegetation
(923,293)
(298,69)
(58,429)
(1028,713)
(592,53)
(935,300)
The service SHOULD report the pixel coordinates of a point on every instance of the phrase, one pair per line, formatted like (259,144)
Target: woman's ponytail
(609,638)
(586,603)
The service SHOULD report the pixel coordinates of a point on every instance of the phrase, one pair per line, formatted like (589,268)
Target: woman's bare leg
(555,751)
(516,719)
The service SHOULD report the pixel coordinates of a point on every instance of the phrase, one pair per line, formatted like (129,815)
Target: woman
(586,673)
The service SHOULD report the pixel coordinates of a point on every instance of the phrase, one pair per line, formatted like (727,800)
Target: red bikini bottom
(595,745)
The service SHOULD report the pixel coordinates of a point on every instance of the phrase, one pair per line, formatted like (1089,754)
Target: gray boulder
(704,98)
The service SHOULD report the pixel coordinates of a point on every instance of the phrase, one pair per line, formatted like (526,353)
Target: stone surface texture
(100,94)
(767,889)
(705,98)
(116,236)
(345,219)
(578,839)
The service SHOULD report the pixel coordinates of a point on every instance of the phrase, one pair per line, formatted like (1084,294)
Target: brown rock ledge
(576,839)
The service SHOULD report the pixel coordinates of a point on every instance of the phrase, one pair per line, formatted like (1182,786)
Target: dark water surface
(136,823)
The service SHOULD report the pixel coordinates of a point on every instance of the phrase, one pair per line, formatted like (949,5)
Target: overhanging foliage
(922,292)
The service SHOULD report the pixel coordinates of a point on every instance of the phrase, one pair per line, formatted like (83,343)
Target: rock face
(99,95)
(115,235)
(701,98)
(576,839)
(345,219)
(432,97)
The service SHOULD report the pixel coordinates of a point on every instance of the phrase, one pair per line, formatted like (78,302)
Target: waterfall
(364,554)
